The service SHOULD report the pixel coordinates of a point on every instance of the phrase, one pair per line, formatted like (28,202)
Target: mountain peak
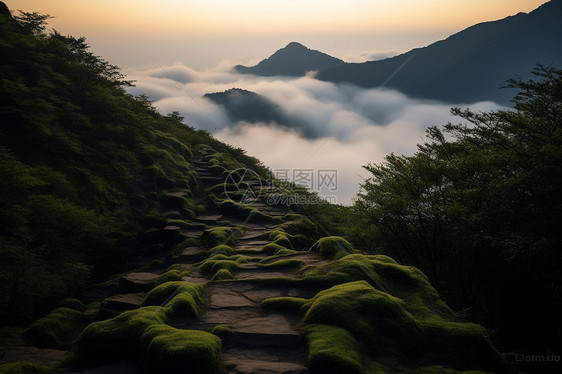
(293,60)
(295,45)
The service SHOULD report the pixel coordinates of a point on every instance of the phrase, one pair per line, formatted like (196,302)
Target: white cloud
(332,126)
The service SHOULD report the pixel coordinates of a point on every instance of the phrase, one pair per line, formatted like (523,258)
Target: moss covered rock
(166,349)
(52,330)
(333,247)
(333,350)
(178,298)
(23,368)
(120,335)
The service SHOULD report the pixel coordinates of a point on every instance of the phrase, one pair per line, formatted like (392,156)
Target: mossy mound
(333,350)
(166,349)
(287,263)
(23,368)
(297,241)
(333,247)
(120,335)
(405,282)
(73,303)
(221,250)
(178,298)
(274,249)
(171,275)
(52,330)
(222,331)
(222,262)
(218,235)
(284,304)
(10,337)
(222,274)
(369,325)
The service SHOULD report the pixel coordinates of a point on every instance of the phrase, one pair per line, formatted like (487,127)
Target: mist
(330,126)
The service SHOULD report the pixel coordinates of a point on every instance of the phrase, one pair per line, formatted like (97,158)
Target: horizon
(215,32)
(348,133)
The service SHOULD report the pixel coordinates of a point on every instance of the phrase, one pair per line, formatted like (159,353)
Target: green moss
(286,240)
(23,368)
(284,304)
(120,335)
(221,250)
(166,349)
(178,298)
(333,247)
(218,262)
(404,282)
(222,331)
(218,235)
(273,248)
(52,330)
(10,337)
(73,303)
(332,350)
(183,224)
(222,274)
(365,312)
(171,275)
(396,332)
(288,263)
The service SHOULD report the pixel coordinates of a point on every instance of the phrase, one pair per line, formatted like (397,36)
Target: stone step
(137,282)
(192,255)
(223,297)
(273,330)
(264,274)
(49,358)
(209,219)
(125,302)
(235,365)
(253,234)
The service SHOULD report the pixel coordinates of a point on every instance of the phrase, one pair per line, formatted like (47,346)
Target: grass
(166,349)
(54,329)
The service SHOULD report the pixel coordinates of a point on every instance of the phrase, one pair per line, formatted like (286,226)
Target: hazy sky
(178,50)
(203,32)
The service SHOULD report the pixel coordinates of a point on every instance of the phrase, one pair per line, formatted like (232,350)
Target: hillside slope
(196,268)
(468,66)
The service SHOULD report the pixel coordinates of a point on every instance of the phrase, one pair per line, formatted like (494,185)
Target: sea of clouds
(333,126)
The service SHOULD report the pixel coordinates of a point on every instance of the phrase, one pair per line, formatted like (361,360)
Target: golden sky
(268,17)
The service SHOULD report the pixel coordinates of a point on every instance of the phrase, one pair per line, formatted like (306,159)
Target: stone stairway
(256,341)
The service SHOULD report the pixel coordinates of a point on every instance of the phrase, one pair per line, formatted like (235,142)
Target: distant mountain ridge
(293,60)
(244,105)
(470,65)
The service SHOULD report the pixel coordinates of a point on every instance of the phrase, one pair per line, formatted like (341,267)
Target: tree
(479,208)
